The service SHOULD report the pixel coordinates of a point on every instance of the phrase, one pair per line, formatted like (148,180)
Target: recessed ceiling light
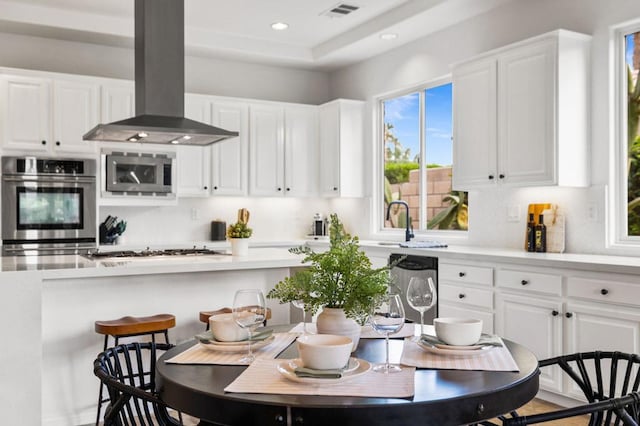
(279,26)
(389,36)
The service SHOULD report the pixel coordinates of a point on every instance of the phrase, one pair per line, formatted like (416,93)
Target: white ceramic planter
(334,321)
(239,246)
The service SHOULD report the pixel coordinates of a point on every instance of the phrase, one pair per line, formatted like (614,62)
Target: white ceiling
(241,29)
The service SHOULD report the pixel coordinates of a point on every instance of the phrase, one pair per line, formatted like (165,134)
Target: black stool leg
(100,401)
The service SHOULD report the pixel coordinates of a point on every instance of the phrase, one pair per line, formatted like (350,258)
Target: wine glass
(249,311)
(388,318)
(300,305)
(422,296)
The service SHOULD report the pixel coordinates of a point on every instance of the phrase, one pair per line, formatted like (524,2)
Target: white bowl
(324,351)
(225,329)
(458,331)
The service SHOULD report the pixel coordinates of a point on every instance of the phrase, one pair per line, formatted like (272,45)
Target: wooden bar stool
(204,315)
(132,326)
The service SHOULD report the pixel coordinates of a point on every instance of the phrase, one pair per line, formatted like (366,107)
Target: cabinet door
(75,112)
(266,150)
(598,326)
(26,105)
(118,101)
(474,125)
(535,323)
(229,157)
(301,151)
(194,161)
(329,118)
(527,99)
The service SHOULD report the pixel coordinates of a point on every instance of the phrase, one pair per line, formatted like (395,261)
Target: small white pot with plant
(239,234)
(340,280)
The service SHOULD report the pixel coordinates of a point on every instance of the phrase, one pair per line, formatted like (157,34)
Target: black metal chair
(131,385)
(615,403)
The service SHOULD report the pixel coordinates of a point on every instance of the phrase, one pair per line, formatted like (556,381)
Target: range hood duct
(159,78)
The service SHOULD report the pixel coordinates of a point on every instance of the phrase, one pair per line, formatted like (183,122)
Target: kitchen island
(49,305)
(550,303)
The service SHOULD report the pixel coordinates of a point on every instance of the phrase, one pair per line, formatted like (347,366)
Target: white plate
(455,352)
(237,346)
(287,369)
(455,347)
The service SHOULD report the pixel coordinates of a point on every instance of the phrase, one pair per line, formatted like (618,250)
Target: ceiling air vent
(340,10)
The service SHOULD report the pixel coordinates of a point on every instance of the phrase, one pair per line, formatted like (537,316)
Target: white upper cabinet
(301,150)
(282,150)
(266,150)
(75,112)
(341,148)
(26,113)
(229,158)
(520,114)
(48,116)
(118,101)
(194,162)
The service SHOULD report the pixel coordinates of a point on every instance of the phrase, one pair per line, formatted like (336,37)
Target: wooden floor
(535,406)
(539,406)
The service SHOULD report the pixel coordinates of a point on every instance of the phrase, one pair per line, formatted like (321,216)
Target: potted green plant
(239,233)
(340,280)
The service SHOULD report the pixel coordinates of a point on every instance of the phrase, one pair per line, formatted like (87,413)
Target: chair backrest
(589,371)
(128,372)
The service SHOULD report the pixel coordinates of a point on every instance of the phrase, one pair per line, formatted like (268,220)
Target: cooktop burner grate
(154,253)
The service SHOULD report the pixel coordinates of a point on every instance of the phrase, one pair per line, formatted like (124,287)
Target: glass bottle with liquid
(531,236)
(540,235)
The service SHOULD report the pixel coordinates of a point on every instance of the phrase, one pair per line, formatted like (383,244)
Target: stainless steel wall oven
(48,205)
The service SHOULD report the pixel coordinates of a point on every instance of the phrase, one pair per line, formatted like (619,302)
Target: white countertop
(277,256)
(73,266)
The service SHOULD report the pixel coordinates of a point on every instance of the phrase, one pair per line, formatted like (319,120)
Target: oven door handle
(52,179)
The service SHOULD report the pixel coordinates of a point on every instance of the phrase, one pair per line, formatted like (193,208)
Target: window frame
(618,225)
(377,199)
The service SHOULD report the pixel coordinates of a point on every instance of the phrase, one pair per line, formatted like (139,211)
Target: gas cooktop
(154,253)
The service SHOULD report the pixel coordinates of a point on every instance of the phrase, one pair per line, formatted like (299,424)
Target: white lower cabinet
(593,311)
(465,290)
(535,323)
(599,326)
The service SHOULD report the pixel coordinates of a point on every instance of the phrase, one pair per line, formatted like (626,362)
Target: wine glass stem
(386,363)
(304,323)
(421,322)
(250,355)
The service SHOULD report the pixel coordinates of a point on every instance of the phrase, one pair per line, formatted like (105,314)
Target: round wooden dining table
(442,397)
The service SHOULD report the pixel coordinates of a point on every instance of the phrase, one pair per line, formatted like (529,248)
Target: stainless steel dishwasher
(414,266)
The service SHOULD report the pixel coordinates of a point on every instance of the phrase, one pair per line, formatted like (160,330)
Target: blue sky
(629,50)
(403,113)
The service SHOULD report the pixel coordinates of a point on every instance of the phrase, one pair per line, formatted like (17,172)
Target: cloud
(402,108)
(438,133)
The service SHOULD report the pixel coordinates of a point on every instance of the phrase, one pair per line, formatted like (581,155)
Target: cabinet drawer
(467,296)
(603,290)
(465,274)
(532,281)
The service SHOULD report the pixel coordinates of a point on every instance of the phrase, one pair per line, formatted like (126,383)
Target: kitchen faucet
(408,234)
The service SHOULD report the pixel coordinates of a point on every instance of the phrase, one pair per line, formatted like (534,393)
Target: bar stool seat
(132,326)
(135,326)
(205,315)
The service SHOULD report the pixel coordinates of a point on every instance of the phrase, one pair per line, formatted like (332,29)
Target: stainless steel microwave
(140,173)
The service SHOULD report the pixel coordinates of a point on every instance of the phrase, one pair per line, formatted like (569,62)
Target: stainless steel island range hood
(159,78)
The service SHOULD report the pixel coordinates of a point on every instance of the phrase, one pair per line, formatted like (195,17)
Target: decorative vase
(334,321)
(239,246)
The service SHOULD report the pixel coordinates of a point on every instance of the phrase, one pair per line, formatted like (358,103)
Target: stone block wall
(438,185)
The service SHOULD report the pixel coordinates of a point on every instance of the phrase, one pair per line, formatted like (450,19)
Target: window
(629,135)
(416,139)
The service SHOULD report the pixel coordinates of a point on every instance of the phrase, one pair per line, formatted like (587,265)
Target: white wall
(202,75)
(430,58)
